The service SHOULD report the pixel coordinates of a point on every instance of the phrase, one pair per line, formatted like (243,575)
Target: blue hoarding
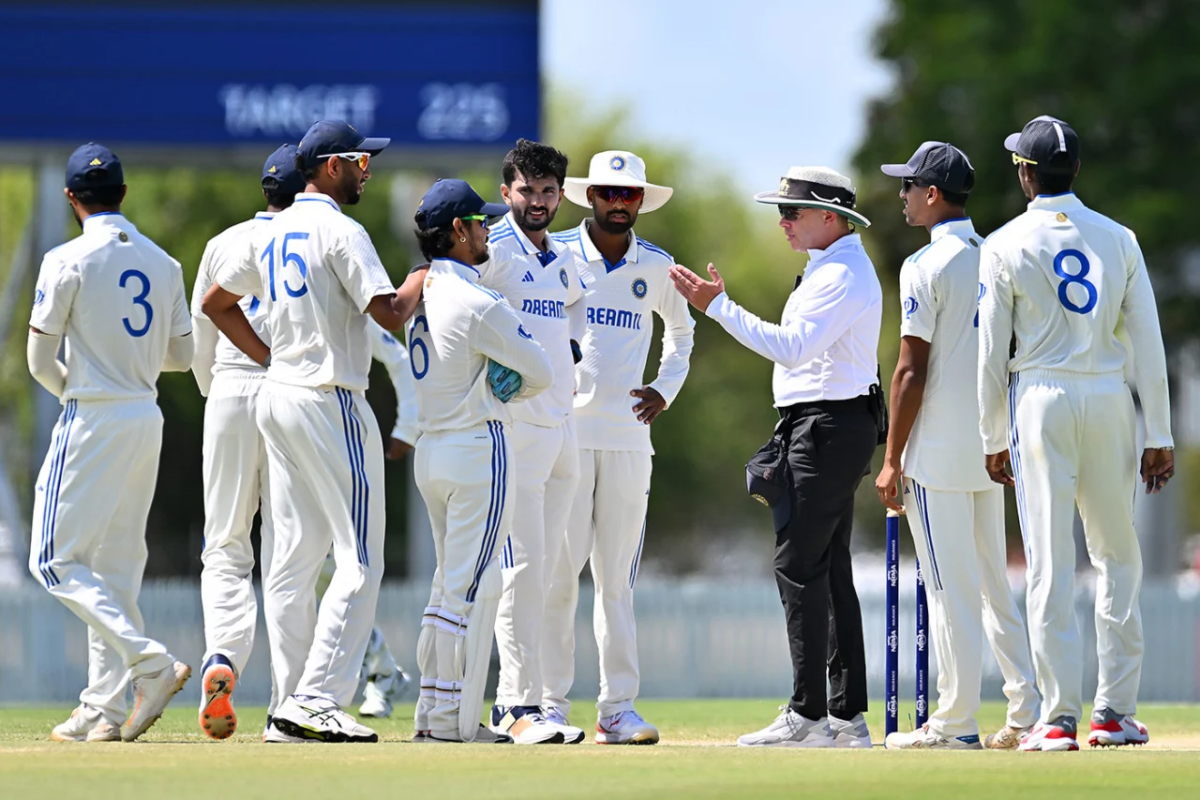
(440,76)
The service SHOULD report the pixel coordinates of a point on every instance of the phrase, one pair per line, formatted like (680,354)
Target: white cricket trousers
(325,465)
(88,545)
(235,486)
(607,526)
(1072,441)
(959,539)
(464,477)
(547,473)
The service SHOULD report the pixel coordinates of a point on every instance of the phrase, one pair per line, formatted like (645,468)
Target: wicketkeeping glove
(505,383)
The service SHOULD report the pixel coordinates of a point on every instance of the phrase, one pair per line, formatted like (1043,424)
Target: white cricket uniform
(118,299)
(608,517)
(463,469)
(316,272)
(947,491)
(234,458)
(544,290)
(1060,277)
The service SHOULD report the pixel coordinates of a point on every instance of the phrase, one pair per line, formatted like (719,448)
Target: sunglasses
(790,213)
(628,194)
(1022,160)
(908,183)
(480,218)
(363,159)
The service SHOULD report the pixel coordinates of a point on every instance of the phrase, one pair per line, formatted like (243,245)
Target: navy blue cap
(936,164)
(449,199)
(329,137)
(93,166)
(280,166)
(1050,143)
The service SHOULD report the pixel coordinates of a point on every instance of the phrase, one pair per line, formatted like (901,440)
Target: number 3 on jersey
(139,299)
(414,342)
(1079,278)
(288,259)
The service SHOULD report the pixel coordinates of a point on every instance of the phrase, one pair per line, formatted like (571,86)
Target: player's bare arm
(391,311)
(222,308)
(996,466)
(908,390)
(697,291)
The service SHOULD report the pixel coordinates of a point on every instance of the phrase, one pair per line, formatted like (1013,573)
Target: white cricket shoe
(1007,738)
(218,719)
(555,716)
(319,720)
(850,733)
(272,735)
(790,730)
(375,699)
(1059,734)
(625,727)
(1110,729)
(526,725)
(151,694)
(923,738)
(86,724)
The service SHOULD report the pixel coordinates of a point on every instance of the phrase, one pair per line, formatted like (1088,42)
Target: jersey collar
(962,227)
(317,197)
(266,215)
(528,247)
(113,219)
(464,271)
(1056,202)
(592,254)
(850,239)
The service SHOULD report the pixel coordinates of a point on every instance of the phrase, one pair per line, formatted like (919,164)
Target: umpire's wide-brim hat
(617,168)
(816,187)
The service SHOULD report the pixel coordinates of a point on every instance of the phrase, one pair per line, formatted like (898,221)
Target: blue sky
(761,84)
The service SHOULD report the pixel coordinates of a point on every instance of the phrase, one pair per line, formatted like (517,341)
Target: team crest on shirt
(910,307)
(562,276)
(38,297)
(524,334)
(617,163)
(639,288)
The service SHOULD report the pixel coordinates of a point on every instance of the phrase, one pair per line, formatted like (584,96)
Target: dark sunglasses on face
(480,218)
(908,183)
(628,194)
(790,213)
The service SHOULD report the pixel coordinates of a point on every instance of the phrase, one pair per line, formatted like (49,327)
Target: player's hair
(1054,182)
(276,198)
(435,242)
(534,161)
(955,198)
(305,170)
(103,196)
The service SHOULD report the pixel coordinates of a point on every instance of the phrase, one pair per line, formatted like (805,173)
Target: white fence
(697,638)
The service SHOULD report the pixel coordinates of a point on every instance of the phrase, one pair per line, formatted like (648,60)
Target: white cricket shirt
(391,352)
(457,327)
(1060,277)
(544,290)
(118,299)
(620,298)
(939,297)
(315,271)
(826,346)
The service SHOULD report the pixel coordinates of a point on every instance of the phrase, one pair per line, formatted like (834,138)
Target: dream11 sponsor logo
(286,110)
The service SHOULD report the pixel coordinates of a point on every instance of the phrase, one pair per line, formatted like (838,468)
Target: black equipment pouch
(879,409)
(767,477)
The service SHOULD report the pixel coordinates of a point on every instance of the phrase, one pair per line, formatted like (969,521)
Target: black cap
(449,199)
(937,164)
(93,166)
(328,137)
(280,167)
(1050,143)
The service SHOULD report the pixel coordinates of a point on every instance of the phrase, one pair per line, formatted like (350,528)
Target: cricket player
(625,279)
(318,277)
(462,336)
(540,279)
(119,302)
(955,512)
(1060,278)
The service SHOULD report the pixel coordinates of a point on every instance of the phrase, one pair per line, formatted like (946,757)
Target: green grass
(175,761)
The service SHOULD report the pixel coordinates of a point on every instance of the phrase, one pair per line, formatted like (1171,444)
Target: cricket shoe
(319,720)
(484,735)
(151,693)
(381,691)
(1110,729)
(218,720)
(790,729)
(625,727)
(1058,734)
(850,733)
(273,735)
(923,738)
(526,725)
(86,724)
(1007,738)
(555,716)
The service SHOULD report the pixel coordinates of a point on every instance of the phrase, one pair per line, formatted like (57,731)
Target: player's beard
(481,255)
(617,228)
(525,224)
(352,188)
(75,214)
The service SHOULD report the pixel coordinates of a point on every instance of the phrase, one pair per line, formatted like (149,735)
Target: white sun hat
(816,187)
(617,168)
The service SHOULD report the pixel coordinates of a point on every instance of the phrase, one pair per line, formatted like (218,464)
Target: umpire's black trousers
(829,452)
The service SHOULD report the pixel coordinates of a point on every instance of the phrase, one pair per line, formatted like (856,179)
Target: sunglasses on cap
(480,218)
(1022,160)
(363,159)
(610,194)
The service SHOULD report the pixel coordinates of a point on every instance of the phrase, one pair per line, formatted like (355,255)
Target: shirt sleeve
(995,337)
(918,303)
(389,351)
(576,299)
(238,274)
(55,293)
(359,269)
(204,279)
(1149,355)
(181,318)
(826,311)
(500,336)
(677,341)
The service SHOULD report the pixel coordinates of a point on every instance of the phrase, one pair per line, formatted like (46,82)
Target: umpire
(831,417)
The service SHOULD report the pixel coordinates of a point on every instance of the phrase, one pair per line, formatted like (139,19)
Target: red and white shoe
(1051,736)
(1110,729)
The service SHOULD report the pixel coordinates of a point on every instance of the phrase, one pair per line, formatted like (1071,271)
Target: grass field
(694,761)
